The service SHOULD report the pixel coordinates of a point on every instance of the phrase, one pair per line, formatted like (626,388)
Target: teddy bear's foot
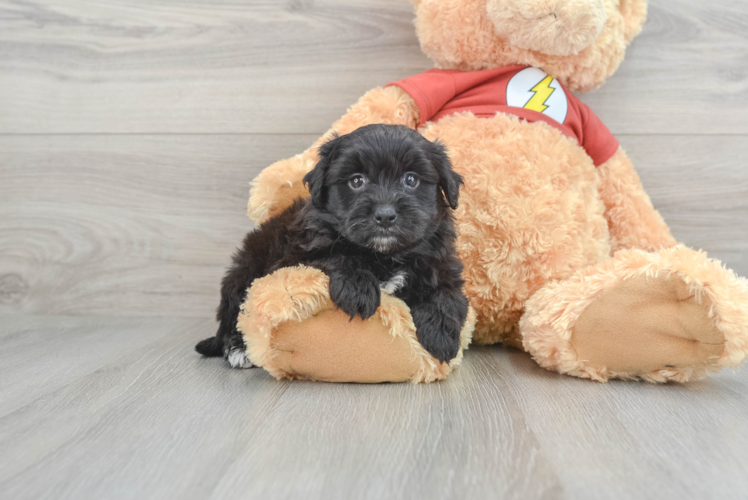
(674,315)
(645,324)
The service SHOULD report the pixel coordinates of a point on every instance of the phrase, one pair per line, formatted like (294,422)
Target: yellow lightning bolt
(542,92)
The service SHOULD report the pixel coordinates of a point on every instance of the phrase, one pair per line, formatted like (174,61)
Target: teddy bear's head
(580,42)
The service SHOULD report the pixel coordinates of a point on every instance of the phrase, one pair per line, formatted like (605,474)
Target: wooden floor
(129,130)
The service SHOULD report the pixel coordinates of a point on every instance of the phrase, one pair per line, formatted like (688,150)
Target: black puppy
(379,216)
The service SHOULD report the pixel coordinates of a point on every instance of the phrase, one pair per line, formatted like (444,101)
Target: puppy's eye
(411,180)
(357,182)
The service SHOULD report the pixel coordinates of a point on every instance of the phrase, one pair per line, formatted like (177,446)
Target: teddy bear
(565,256)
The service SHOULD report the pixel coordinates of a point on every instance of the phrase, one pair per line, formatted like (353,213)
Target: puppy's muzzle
(385,216)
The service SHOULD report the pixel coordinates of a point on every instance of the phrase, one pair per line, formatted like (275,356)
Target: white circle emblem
(534,89)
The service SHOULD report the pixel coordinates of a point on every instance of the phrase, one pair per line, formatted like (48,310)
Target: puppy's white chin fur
(383,244)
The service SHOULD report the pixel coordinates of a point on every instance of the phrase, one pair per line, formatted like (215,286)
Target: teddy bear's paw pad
(237,358)
(645,324)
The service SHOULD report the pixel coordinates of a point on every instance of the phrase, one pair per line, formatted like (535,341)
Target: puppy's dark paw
(355,292)
(437,333)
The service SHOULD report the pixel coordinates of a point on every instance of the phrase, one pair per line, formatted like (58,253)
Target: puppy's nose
(385,216)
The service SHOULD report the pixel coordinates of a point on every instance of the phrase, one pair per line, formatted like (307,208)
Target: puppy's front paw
(355,293)
(437,333)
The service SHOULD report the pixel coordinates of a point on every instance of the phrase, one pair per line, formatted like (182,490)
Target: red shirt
(526,92)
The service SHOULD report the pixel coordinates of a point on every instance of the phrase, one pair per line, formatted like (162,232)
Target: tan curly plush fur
(567,261)
(463,34)
(548,224)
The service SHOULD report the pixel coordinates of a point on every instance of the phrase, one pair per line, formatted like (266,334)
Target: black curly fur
(337,232)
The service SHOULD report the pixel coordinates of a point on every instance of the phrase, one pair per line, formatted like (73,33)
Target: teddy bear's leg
(668,315)
(293,331)
(281,183)
(632,220)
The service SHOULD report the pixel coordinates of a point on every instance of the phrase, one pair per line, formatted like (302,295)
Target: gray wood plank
(41,354)
(632,440)
(700,185)
(160,422)
(460,439)
(145,225)
(280,67)
(143,66)
(125,224)
(685,74)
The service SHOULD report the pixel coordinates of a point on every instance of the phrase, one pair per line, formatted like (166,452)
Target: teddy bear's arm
(632,220)
(282,182)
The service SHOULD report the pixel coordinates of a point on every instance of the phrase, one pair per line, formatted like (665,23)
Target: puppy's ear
(449,180)
(315,179)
